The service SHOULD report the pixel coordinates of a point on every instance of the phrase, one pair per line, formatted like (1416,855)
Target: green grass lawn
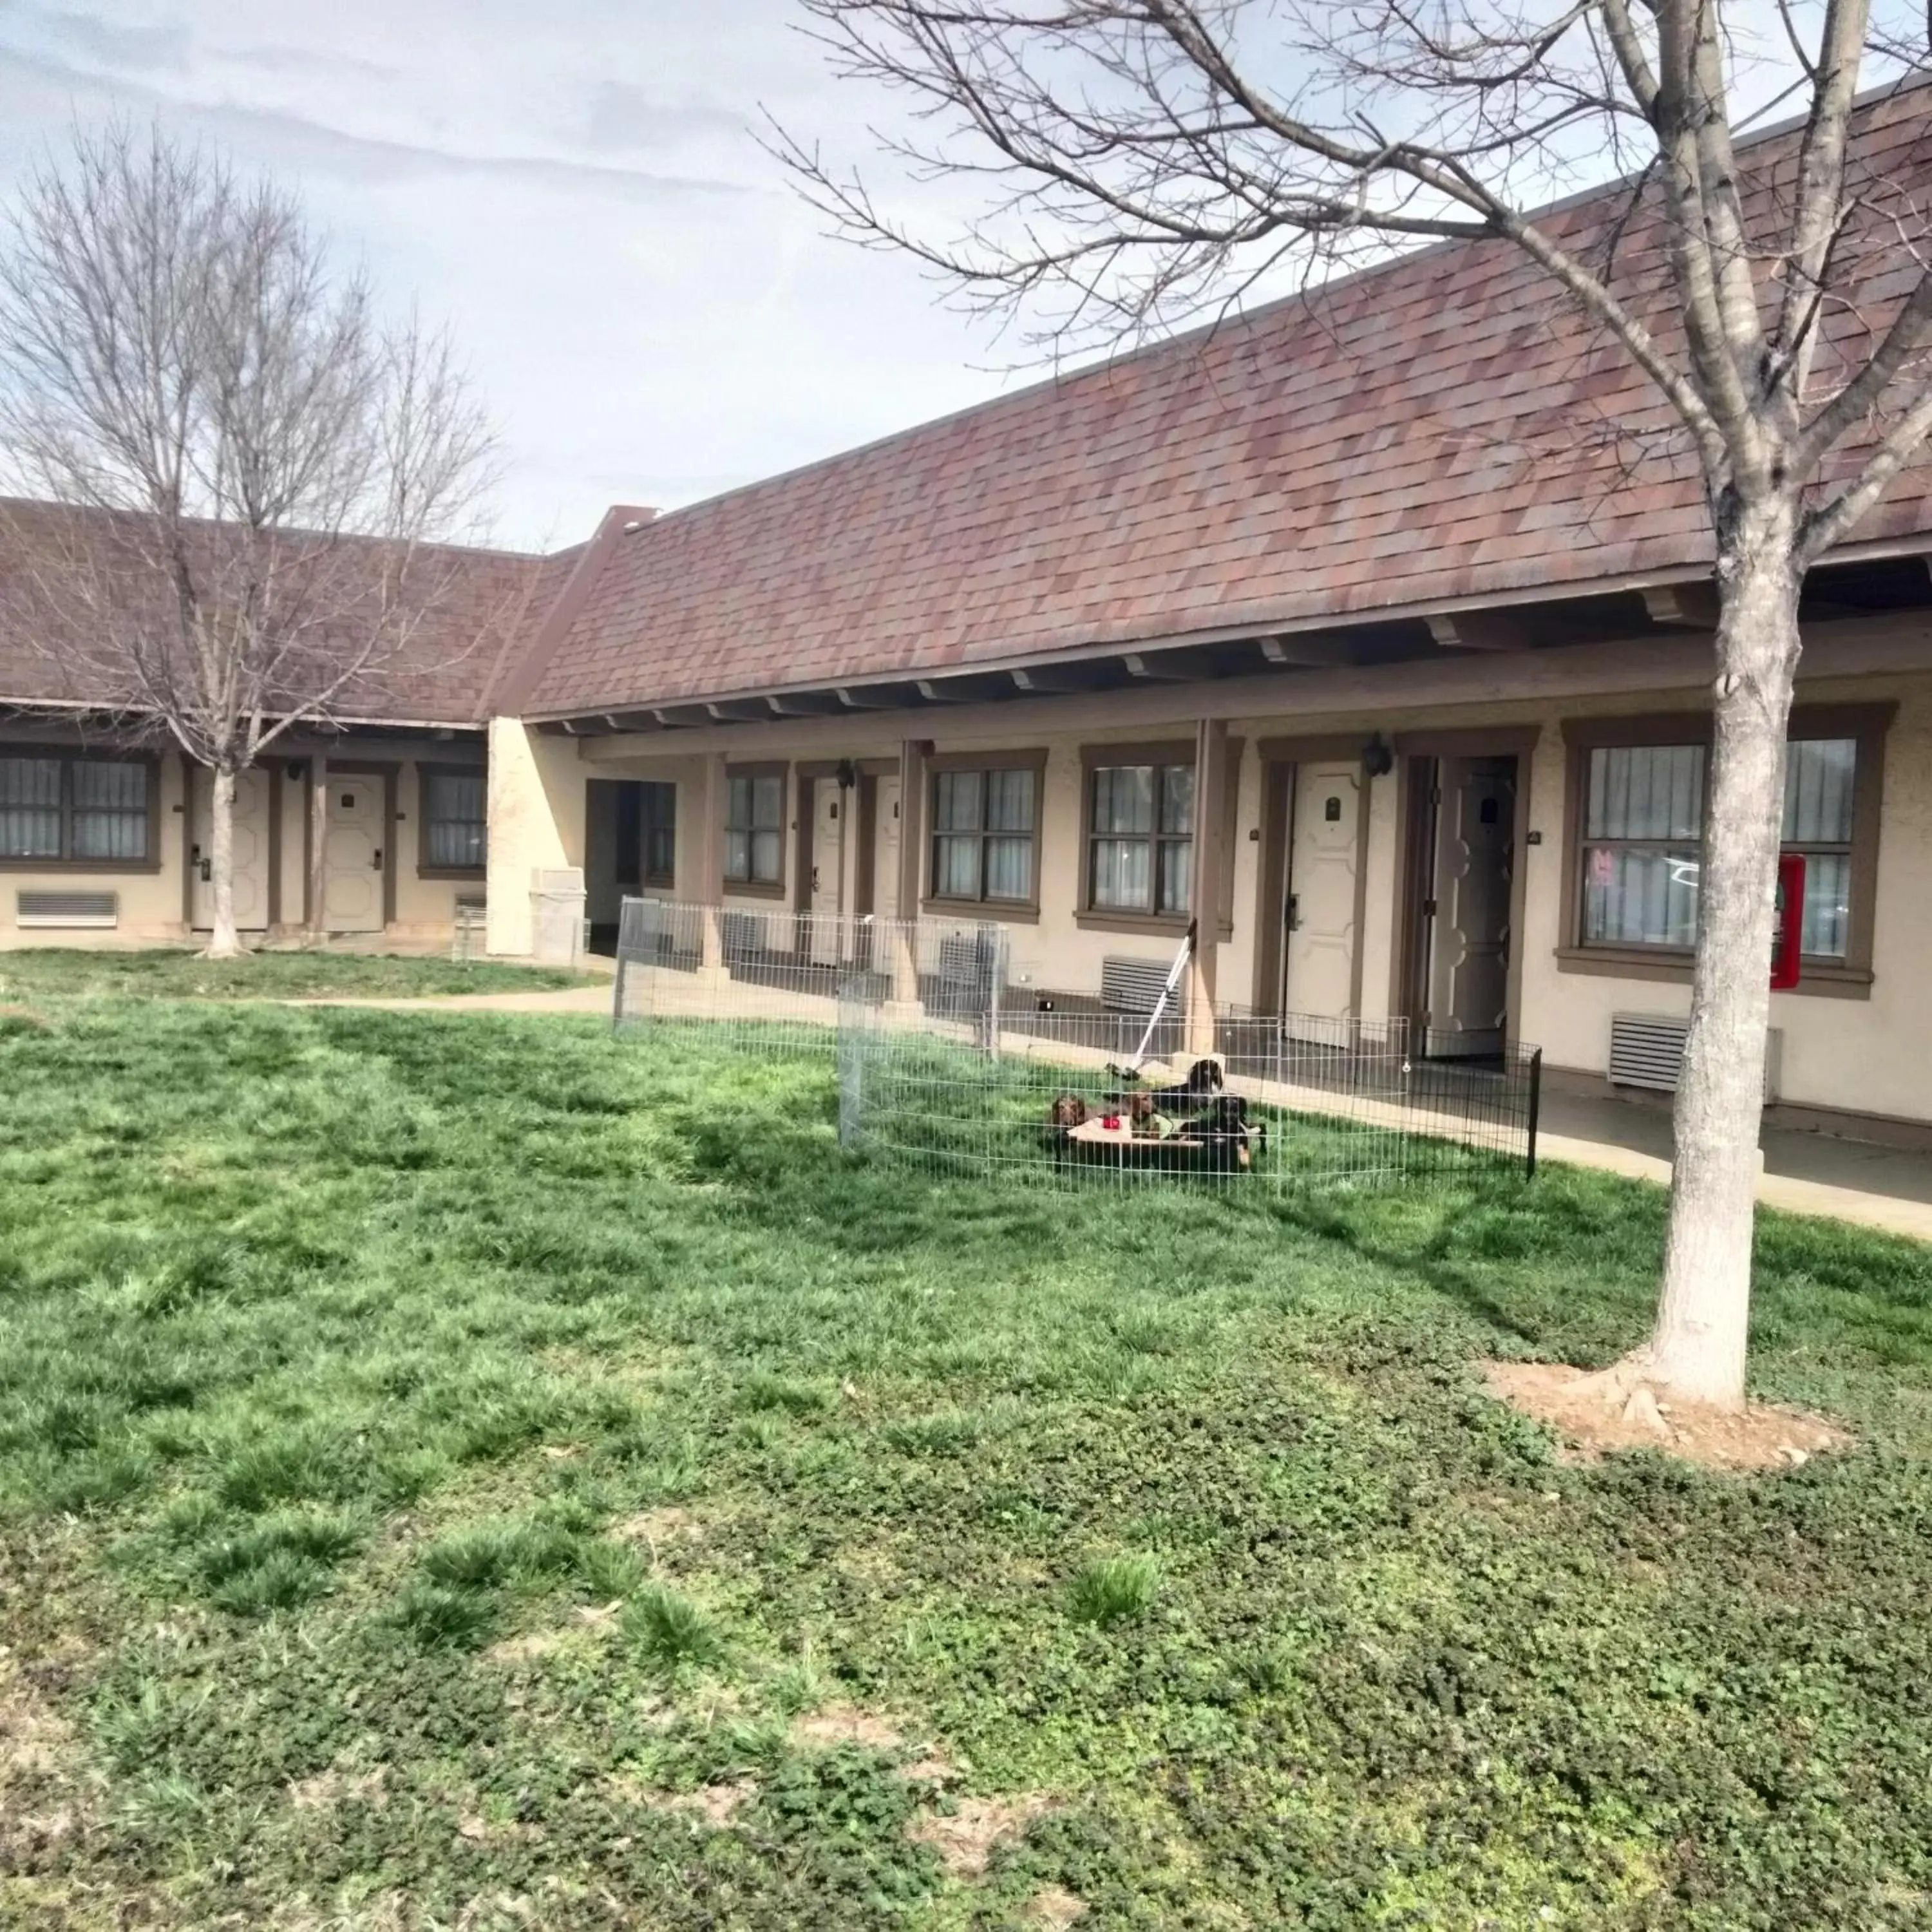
(40,972)
(473,1472)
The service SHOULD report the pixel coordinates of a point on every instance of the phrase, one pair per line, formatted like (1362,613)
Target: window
(984,824)
(754,829)
(1642,827)
(1140,839)
(56,808)
(455,810)
(657,833)
(1639,829)
(1819,781)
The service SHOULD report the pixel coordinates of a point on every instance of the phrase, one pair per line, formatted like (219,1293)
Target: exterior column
(913,754)
(710,893)
(318,843)
(1210,862)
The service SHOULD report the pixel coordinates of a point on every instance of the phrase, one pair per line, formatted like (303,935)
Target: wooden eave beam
(1039,683)
(1165,669)
(1682,607)
(804,704)
(868,697)
(1307,653)
(1477,631)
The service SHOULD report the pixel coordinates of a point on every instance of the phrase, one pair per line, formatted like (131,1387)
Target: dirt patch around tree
(1594,1416)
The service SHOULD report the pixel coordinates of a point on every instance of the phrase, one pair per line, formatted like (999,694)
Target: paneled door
(1317,996)
(251,851)
(352,855)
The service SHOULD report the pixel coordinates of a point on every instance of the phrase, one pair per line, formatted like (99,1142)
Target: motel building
(1344,629)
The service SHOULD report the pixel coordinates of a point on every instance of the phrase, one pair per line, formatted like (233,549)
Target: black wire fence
(944,1065)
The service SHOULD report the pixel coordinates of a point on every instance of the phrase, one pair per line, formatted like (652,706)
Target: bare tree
(262,470)
(1135,160)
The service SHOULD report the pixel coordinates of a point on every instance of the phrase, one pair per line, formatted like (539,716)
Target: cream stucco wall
(151,902)
(1871,1055)
(536,823)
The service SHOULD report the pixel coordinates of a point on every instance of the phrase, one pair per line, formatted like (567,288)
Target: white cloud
(650,312)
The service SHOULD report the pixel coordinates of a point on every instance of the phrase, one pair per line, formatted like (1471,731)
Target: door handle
(207,871)
(814,878)
(375,863)
(1294,912)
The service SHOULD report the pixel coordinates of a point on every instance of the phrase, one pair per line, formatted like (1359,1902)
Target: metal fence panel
(944,1065)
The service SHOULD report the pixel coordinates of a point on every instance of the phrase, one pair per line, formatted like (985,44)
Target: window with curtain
(455,820)
(984,824)
(1140,839)
(754,829)
(1642,839)
(58,808)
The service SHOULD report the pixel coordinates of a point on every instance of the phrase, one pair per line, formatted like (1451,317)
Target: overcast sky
(650,312)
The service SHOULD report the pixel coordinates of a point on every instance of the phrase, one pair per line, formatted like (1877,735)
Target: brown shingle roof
(484,604)
(1434,429)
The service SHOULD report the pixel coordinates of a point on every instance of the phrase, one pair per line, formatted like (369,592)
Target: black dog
(1203,1079)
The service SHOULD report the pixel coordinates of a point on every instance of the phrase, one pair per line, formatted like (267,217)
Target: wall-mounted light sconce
(847,774)
(1377,760)
(297,769)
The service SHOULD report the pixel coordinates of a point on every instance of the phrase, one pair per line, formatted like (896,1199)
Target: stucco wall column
(537,800)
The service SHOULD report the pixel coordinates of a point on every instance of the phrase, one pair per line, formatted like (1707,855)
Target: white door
(1318,960)
(886,850)
(1469,939)
(251,851)
(353,855)
(828,867)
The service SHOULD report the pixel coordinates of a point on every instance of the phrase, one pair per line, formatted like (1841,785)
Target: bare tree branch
(265,470)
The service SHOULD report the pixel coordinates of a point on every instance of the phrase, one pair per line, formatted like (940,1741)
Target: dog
(1068,1111)
(1204,1079)
(1223,1128)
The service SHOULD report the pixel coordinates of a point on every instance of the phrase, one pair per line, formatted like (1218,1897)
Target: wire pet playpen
(944,1065)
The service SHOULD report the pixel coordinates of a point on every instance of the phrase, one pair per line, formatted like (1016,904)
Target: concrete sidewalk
(1808,1174)
(566,1000)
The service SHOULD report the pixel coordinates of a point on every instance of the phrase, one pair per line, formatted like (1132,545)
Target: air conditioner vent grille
(71,910)
(1647,1050)
(1131,985)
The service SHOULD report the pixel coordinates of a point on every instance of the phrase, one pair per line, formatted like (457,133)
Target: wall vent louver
(95,911)
(1131,985)
(1647,1050)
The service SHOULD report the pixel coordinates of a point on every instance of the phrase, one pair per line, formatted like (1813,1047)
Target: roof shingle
(1437,428)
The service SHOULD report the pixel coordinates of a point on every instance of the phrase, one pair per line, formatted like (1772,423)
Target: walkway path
(1808,1174)
(568,999)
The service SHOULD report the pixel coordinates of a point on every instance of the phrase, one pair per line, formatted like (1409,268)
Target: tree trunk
(223,943)
(1697,1348)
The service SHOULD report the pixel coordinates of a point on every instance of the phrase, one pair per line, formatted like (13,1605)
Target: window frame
(1825,976)
(755,888)
(67,756)
(947,764)
(667,875)
(426,868)
(1174,751)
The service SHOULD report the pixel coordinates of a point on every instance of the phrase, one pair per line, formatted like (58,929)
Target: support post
(317,845)
(913,754)
(710,895)
(1210,816)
